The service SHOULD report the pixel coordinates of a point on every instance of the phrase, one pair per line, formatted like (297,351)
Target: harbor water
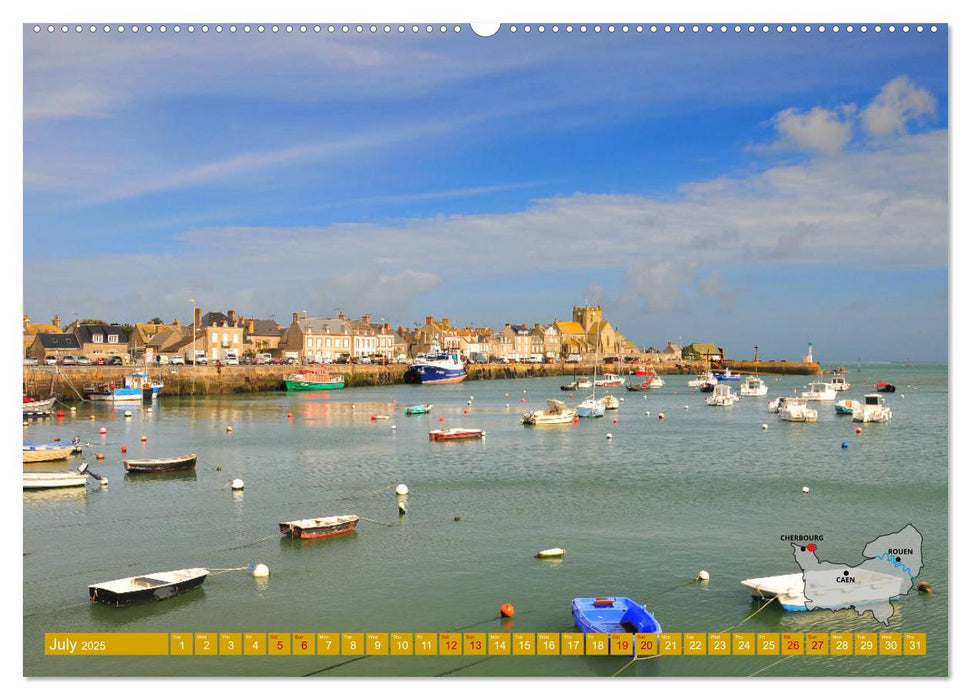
(638,514)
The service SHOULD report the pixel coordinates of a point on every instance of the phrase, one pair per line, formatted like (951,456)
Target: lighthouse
(808,357)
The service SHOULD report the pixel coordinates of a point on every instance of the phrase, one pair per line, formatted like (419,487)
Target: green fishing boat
(313,380)
(418,409)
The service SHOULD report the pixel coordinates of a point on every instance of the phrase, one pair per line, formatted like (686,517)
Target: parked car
(30,361)
(631,359)
(574,357)
(50,360)
(613,359)
(291,361)
(114,360)
(84,360)
(68,360)
(342,359)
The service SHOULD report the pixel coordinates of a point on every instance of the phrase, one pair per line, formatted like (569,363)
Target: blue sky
(745,189)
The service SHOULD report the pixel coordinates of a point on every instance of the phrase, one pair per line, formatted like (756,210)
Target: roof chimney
(250,327)
(197,319)
(296,316)
(177,323)
(386,327)
(342,316)
(428,320)
(57,322)
(366,318)
(232,317)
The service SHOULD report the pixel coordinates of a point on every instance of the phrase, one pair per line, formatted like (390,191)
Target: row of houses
(316,339)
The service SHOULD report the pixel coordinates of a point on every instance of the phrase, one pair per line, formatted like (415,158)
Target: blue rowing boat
(614,614)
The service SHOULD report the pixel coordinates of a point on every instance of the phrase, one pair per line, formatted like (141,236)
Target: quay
(69,382)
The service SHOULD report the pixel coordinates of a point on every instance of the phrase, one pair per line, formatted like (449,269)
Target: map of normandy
(891,562)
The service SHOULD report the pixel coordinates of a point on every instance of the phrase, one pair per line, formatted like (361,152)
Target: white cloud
(819,129)
(370,291)
(657,287)
(900,101)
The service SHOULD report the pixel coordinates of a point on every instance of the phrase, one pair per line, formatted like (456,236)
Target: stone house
(53,345)
(101,340)
(32,329)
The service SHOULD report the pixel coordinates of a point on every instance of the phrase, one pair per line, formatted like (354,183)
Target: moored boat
(38,407)
(436,368)
(313,379)
(613,615)
(456,434)
(591,407)
(874,409)
(794,410)
(866,586)
(885,387)
(611,402)
(753,386)
(555,413)
(838,381)
(553,553)
(138,386)
(316,528)
(722,396)
(819,391)
(702,379)
(150,587)
(610,380)
(46,452)
(55,480)
(726,375)
(161,464)
(418,409)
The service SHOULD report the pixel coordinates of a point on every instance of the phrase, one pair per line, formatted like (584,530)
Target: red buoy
(466,411)
(144,439)
(124,449)
(60,414)
(507,610)
(859,430)
(615,420)
(100,456)
(290,416)
(441,419)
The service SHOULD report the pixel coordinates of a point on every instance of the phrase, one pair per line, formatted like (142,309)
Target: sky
(740,188)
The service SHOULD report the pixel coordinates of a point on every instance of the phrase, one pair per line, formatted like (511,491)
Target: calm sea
(639,515)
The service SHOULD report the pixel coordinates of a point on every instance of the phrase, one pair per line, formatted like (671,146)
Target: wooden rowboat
(161,464)
(456,434)
(150,587)
(53,480)
(315,528)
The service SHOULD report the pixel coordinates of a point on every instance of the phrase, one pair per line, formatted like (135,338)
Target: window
(112,338)
(98,338)
(225,337)
(215,337)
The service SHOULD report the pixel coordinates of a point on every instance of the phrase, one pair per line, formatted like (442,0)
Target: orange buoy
(615,420)
(124,449)
(859,430)
(466,411)
(100,456)
(144,439)
(507,610)
(290,416)
(90,417)
(924,587)
(524,399)
(571,396)
(576,419)
(60,414)
(660,416)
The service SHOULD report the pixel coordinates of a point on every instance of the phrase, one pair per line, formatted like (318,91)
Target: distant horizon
(741,188)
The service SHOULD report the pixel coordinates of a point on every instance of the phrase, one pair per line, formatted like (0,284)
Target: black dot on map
(846,573)
(898,558)
(803,548)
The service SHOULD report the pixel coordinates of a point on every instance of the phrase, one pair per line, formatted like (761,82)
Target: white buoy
(401,490)
(236,484)
(127,414)
(148,410)
(103,481)
(74,409)
(394,427)
(229,428)
(765,426)
(647,413)
(261,571)
(610,436)
(703,576)
(805,489)
(686,407)
(622,399)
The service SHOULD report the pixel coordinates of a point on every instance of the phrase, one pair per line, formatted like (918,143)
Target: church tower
(586,316)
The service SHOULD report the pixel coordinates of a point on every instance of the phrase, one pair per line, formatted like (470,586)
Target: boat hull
(296,385)
(125,395)
(455,434)
(153,590)
(47,454)
(34,481)
(39,407)
(613,615)
(154,466)
(417,410)
(426,374)
(319,528)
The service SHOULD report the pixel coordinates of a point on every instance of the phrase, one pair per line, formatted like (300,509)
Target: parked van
(200,358)
(574,357)
(535,358)
(230,357)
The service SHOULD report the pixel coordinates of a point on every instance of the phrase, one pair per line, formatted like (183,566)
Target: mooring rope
(216,570)
(248,544)
(342,663)
(376,522)
(367,493)
(767,603)
(459,668)
(784,658)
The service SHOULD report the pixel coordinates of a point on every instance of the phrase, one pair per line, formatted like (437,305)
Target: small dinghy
(46,452)
(551,553)
(456,434)
(614,614)
(139,589)
(55,480)
(162,464)
(315,528)
(418,409)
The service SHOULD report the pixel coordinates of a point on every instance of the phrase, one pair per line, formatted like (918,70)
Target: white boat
(38,407)
(775,403)
(584,383)
(753,386)
(819,391)
(591,407)
(702,379)
(611,403)
(55,480)
(794,410)
(138,386)
(555,413)
(610,380)
(551,553)
(722,396)
(150,587)
(839,383)
(873,410)
(788,589)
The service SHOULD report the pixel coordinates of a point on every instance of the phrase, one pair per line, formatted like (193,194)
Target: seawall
(69,382)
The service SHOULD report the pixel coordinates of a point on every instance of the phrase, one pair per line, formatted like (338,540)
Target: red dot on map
(811,547)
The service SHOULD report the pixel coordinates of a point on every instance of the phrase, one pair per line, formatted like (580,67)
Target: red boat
(315,528)
(456,434)
(885,387)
